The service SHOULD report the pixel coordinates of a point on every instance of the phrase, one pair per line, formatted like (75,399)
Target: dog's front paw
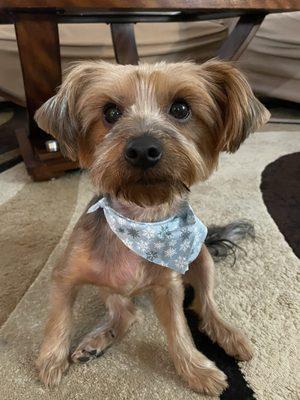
(202,375)
(235,343)
(238,346)
(232,340)
(210,381)
(51,369)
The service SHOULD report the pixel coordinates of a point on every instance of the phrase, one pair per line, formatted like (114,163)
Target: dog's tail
(222,241)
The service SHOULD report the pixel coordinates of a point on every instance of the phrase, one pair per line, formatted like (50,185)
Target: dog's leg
(200,373)
(52,361)
(122,314)
(201,277)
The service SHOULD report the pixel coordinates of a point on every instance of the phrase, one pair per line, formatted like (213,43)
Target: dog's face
(149,132)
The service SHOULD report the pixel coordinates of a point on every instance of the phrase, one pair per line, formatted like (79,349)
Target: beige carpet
(260,293)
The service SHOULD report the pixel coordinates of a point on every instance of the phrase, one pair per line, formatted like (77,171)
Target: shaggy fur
(222,113)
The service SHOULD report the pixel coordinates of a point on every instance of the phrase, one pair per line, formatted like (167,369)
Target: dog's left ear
(240,112)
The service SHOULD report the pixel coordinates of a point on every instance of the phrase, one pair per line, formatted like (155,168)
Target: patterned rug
(259,293)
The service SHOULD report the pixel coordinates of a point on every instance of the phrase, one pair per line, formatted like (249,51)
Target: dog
(146,134)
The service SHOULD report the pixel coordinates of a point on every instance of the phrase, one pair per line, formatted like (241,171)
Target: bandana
(173,243)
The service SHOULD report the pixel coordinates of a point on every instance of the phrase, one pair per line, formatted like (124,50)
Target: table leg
(38,44)
(242,34)
(124,43)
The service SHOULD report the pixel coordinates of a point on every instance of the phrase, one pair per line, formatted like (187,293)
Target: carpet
(259,293)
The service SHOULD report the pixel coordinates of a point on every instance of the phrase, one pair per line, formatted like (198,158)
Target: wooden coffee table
(38,43)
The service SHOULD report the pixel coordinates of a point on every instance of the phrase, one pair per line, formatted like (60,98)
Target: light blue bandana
(174,242)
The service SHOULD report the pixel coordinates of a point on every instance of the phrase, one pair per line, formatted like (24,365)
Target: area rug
(259,293)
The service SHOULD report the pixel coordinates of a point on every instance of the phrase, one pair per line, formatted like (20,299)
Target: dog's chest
(115,265)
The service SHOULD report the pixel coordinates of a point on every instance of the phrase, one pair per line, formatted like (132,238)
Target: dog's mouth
(157,182)
(143,184)
(162,182)
(148,192)
(151,182)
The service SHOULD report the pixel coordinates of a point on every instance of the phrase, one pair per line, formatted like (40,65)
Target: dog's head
(148,132)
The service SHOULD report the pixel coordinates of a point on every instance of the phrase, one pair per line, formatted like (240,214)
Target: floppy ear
(240,111)
(61,114)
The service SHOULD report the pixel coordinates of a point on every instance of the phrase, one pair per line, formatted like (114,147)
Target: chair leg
(124,43)
(239,39)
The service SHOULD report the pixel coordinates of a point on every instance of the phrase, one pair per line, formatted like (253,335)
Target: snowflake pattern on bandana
(173,243)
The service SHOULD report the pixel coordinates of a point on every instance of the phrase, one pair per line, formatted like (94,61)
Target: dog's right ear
(60,115)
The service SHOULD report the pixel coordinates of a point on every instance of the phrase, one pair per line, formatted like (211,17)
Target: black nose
(143,151)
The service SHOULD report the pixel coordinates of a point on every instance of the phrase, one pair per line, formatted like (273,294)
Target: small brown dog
(182,116)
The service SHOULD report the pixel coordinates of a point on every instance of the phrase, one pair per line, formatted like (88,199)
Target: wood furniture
(38,43)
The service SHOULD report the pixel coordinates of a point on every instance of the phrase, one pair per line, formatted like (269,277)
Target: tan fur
(223,113)
(201,277)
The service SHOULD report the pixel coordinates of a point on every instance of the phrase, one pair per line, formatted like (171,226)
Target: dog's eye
(180,109)
(112,113)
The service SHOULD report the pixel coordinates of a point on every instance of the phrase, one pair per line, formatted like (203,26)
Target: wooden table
(38,43)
